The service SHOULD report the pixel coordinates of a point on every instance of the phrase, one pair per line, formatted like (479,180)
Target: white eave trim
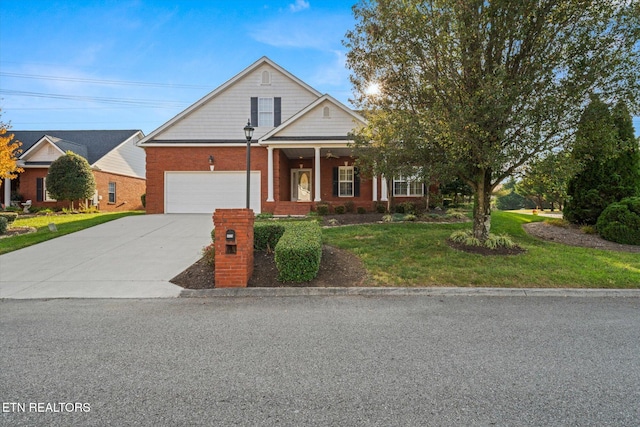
(200,144)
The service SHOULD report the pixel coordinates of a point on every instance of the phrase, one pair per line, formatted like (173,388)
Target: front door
(301,185)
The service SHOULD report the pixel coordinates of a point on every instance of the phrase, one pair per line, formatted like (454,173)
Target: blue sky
(71,64)
(188,47)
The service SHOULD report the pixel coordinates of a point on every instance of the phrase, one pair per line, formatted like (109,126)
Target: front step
(292,208)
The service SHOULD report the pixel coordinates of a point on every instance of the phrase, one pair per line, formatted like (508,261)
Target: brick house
(118,166)
(300,154)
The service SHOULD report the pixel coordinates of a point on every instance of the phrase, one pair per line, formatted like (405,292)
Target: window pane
(415,188)
(265,111)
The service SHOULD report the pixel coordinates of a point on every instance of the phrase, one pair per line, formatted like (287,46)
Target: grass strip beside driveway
(65,224)
(417,254)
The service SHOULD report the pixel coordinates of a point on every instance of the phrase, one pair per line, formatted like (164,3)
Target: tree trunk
(482,207)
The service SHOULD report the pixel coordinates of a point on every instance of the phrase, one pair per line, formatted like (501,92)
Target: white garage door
(204,192)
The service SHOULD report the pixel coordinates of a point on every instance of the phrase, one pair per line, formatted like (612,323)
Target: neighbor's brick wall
(161,159)
(128,191)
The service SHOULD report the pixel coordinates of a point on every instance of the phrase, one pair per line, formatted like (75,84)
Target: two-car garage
(204,192)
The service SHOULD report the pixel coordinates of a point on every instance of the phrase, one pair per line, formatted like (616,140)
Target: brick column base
(233,256)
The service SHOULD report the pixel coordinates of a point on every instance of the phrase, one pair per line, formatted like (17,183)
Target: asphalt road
(343,361)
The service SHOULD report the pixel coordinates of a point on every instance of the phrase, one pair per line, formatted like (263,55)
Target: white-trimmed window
(345,181)
(265,111)
(407,187)
(112,192)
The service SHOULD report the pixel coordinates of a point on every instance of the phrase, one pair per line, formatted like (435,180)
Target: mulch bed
(16,231)
(573,236)
(338,268)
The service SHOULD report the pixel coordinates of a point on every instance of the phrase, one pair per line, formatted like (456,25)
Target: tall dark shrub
(606,149)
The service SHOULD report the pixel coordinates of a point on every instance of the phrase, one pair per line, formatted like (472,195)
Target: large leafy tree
(9,151)
(545,179)
(70,178)
(489,84)
(607,152)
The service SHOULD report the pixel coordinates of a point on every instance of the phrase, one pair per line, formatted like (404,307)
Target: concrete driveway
(132,257)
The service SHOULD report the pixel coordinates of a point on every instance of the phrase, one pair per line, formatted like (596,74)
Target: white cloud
(298,6)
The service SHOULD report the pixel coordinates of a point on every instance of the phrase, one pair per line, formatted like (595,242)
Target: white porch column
(385,195)
(270,174)
(7,192)
(317,197)
(375,188)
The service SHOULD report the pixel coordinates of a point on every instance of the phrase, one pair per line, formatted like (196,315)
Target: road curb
(429,291)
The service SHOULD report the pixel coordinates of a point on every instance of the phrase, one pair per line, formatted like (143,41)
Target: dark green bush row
(3,224)
(266,235)
(299,251)
(9,216)
(620,222)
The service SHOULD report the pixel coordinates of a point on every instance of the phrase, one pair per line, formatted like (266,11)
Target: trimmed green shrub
(620,222)
(9,216)
(322,209)
(340,209)
(3,225)
(361,210)
(381,208)
(299,251)
(143,200)
(349,206)
(266,235)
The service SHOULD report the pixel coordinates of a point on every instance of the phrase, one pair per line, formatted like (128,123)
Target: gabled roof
(307,109)
(222,88)
(91,144)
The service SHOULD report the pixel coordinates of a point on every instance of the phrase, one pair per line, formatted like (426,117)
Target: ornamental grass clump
(465,237)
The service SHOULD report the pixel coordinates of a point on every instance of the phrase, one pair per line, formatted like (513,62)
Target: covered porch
(301,175)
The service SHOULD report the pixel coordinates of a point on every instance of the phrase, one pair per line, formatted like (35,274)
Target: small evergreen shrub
(340,209)
(322,209)
(381,208)
(299,251)
(349,207)
(143,199)
(9,216)
(266,235)
(3,225)
(620,222)
(361,210)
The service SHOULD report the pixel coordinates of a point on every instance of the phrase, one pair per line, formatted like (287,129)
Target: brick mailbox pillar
(234,247)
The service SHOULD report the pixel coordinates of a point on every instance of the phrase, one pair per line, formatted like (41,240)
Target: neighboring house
(300,155)
(118,166)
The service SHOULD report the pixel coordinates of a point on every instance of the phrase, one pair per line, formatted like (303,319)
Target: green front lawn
(417,254)
(65,224)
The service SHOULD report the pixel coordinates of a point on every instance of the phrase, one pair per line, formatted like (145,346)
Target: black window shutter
(356,182)
(254,111)
(277,111)
(335,182)
(39,189)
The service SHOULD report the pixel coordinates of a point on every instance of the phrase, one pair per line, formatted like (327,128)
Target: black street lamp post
(248,133)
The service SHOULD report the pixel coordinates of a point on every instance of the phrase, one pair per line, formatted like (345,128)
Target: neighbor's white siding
(47,152)
(127,159)
(224,116)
